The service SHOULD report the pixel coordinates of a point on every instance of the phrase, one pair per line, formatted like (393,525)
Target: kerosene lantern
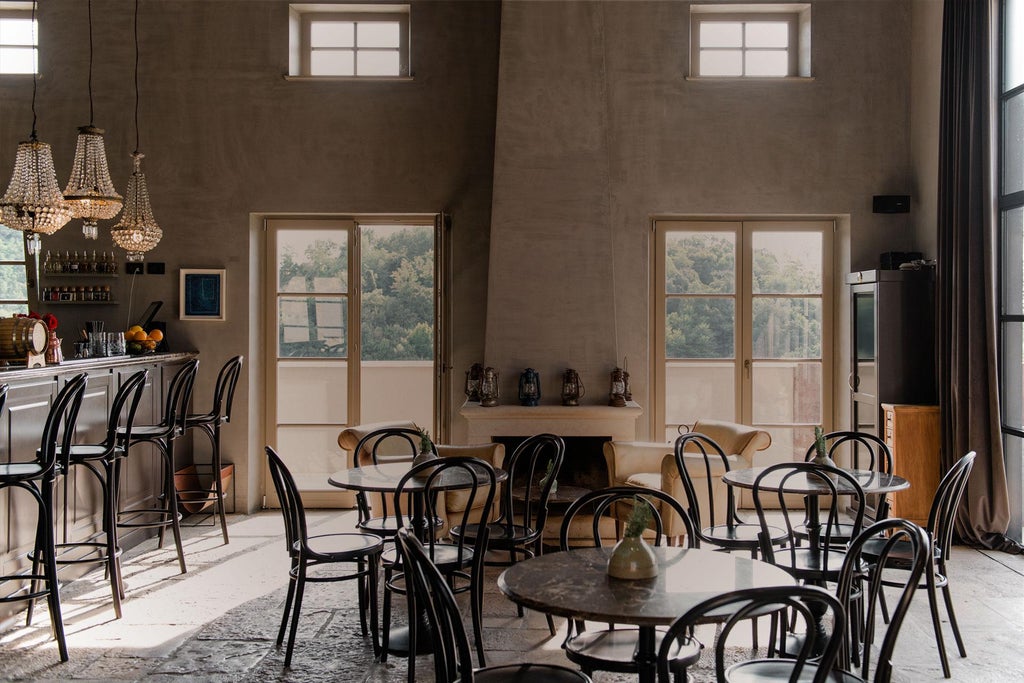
(473,382)
(617,392)
(572,388)
(529,387)
(489,388)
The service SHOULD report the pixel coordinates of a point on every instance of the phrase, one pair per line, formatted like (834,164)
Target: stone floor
(218,622)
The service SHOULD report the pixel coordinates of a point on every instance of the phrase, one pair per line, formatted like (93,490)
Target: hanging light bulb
(33,202)
(90,192)
(137,232)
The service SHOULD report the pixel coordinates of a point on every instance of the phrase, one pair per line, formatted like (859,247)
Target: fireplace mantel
(589,420)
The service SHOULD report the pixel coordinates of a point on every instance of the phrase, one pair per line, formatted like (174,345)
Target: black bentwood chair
(805,602)
(453,659)
(102,461)
(940,530)
(210,423)
(38,477)
(359,550)
(162,437)
(615,649)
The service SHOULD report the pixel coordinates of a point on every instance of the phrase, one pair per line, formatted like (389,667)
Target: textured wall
(227,137)
(598,130)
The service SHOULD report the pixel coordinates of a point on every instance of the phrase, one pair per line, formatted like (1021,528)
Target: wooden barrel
(20,336)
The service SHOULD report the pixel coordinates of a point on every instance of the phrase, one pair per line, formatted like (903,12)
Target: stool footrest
(127,518)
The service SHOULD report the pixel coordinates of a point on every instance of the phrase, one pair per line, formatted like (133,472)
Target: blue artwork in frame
(202,294)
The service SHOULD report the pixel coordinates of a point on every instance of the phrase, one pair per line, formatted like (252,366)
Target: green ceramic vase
(632,558)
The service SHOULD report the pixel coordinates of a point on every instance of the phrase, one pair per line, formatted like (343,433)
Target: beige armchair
(454,501)
(652,465)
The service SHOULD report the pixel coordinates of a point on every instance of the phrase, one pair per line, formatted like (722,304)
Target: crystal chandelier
(89,192)
(33,202)
(137,232)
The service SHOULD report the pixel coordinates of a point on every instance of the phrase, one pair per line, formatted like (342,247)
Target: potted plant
(426,454)
(631,557)
(821,456)
(548,475)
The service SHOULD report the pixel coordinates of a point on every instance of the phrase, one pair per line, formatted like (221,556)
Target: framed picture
(202,294)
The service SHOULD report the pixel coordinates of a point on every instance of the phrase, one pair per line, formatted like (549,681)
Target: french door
(742,327)
(350,337)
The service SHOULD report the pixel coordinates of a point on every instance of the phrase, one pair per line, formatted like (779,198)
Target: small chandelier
(137,232)
(33,202)
(89,192)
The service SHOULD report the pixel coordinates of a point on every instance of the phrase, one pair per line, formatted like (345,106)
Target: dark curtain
(967,339)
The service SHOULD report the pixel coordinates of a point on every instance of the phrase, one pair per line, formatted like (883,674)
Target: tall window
(13,280)
(750,41)
(742,327)
(352,335)
(1011,213)
(19,47)
(357,41)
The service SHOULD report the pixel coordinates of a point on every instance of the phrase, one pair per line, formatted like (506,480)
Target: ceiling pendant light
(90,192)
(137,232)
(33,202)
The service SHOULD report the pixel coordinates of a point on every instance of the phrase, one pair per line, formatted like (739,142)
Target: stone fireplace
(584,428)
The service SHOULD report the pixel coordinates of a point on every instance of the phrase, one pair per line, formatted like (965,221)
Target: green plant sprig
(639,518)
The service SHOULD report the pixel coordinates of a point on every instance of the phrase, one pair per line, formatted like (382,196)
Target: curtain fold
(966,297)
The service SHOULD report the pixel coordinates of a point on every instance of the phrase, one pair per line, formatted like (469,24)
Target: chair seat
(341,547)
(529,673)
(387,526)
(499,534)
(899,554)
(761,670)
(615,650)
(807,565)
(148,431)
(19,470)
(741,536)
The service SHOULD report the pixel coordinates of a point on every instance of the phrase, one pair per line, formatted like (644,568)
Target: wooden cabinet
(912,434)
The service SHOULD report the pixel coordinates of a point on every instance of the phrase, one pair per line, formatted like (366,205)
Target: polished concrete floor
(218,622)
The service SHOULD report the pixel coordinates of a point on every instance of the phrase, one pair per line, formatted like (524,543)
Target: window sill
(348,79)
(754,79)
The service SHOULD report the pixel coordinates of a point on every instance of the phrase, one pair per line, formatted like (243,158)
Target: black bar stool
(162,437)
(38,477)
(209,424)
(101,460)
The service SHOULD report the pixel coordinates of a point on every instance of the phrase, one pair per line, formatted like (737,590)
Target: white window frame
(22,11)
(796,15)
(23,264)
(303,15)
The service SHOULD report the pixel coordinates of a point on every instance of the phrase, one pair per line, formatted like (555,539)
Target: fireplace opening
(583,464)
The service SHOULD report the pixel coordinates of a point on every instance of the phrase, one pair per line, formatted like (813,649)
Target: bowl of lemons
(138,341)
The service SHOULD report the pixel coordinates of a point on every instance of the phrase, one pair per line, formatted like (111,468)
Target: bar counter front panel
(78,498)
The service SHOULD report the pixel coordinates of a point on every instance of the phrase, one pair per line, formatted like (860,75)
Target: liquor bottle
(47,263)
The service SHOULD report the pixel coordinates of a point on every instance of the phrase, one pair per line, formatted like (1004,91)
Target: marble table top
(385,478)
(575,583)
(870,480)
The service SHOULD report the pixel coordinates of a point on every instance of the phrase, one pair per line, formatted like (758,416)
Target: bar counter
(78,499)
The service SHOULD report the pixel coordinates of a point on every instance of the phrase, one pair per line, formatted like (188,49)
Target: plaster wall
(925,87)
(227,139)
(599,131)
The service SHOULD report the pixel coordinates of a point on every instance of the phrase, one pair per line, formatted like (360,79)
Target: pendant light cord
(136,77)
(90,65)
(35,74)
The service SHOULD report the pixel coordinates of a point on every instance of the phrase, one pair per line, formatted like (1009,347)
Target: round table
(575,584)
(384,479)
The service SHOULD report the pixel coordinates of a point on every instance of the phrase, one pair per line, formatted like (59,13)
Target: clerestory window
(750,41)
(349,41)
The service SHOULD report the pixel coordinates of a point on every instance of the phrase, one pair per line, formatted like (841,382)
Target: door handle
(746,366)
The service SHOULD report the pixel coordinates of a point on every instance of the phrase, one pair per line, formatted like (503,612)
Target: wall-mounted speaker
(890,203)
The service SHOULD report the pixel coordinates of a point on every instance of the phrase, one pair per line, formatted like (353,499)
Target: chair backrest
(224,390)
(179,395)
(435,476)
(866,451)
(942,516)
(4,388)
(804,602)
(380,446)
(897,537)
(599,502)
(772,484)
(291,502)
(715,464)
(124,407)
(533,466)
(453,660)
(59,428)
